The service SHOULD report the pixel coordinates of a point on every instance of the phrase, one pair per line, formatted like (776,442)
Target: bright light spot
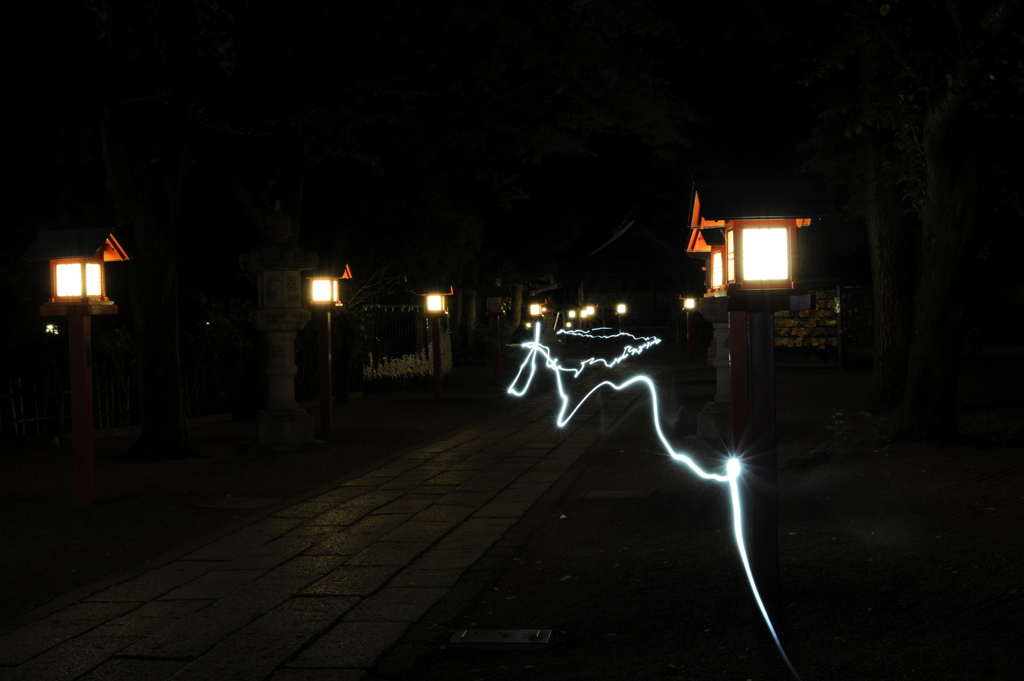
(589,310)
(69,279)
(572,314)
(535,310)
(733,467)
(716,269)
(690,303)
(92,279)
(765,253)
(435,303)
(620,308)
(568,325)
(322,291)
(529,325)
(51,328)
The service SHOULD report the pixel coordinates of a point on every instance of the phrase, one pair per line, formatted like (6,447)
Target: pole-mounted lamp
(689,306)
(325,298)
(436,306)
(746,229)
(78,290)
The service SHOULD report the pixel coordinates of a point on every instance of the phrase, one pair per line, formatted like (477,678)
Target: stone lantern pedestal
(282,424)
(714,422)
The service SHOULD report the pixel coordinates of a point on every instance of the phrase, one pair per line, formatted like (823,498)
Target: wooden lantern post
(689,305)
(437,307)
(747,230)
(78,290)
(325,298)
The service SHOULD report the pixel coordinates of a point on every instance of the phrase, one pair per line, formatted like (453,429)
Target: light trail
(733,466)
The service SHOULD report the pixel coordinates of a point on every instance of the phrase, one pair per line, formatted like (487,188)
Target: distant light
(689,303)
(435,303)
(529,325)
(52,328)
(568,325)
(620,308)
(535,309)
(572,314)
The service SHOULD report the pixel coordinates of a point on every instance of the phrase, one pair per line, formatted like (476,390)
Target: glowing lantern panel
(716,269)
(620,308)
(69,279)
(322,291)
(765,253)
(535,310)
(435,303)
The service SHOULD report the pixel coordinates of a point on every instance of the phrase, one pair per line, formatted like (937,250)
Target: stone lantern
(278,262)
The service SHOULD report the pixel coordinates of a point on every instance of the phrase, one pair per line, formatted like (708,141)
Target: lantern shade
(746,227)
(435,303)
(572,314)
(76,258)
(535,309)
(689,303)
(620,308)
(60,244)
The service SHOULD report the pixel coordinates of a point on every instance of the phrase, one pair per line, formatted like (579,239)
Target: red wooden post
(326,392)
(435,330)
(82,434)
(752,346)
(762,459)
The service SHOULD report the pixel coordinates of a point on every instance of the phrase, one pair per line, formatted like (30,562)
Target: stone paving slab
(261,647)
(119,669)
(41,635)
(351,645)
(320,589)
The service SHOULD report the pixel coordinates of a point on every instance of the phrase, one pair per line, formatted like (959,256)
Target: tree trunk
(517,306)
(471,314)
(147,152)
(893,261)
(951,175)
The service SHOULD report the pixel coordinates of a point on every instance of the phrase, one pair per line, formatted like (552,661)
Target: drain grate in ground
(236,502)
(601,494)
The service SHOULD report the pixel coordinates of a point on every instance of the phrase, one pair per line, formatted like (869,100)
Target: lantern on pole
(746,229)
(78,290)
(436,307)
(689,306)
(620,312)
(325,298)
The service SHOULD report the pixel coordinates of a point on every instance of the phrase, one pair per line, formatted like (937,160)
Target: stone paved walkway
(323,588)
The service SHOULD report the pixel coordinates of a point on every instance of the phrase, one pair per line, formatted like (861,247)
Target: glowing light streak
(733,466)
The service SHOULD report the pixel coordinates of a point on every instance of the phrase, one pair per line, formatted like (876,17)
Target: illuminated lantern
(78,290)
(436,307)
(571,314)
(689,304)
(746,228)
(325,297)
(620,308)
(78,284)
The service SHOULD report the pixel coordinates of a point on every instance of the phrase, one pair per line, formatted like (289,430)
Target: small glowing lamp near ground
(325,298)
(436,306)
(78,290)
(689,306)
